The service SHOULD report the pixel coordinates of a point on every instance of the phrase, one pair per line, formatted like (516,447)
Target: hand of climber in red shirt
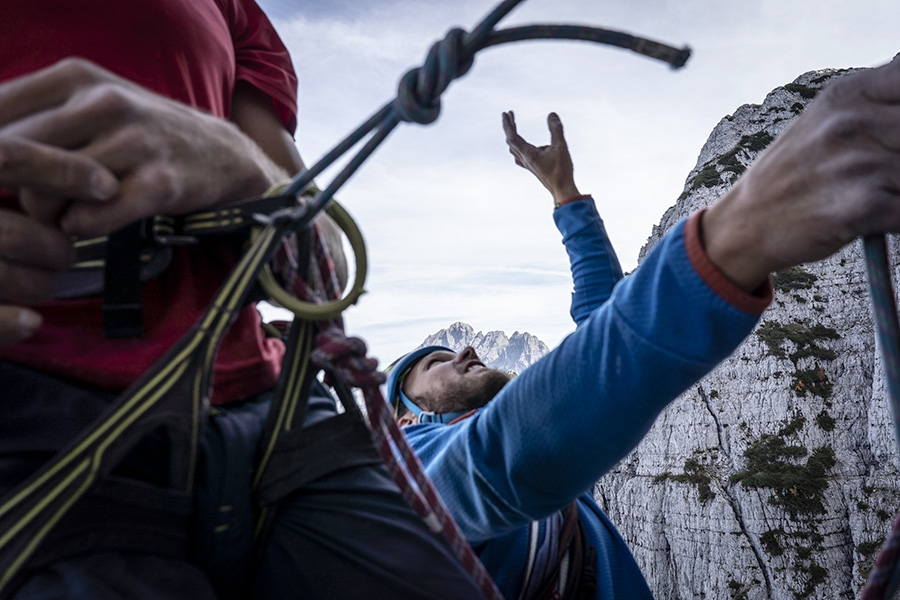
(169,158)
(552,164)
(31,253)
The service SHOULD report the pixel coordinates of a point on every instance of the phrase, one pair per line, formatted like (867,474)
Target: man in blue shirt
(513,460)
(440,386)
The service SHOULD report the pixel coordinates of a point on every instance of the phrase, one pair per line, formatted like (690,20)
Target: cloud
(455,230)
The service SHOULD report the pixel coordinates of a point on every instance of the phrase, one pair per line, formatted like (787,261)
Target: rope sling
(177,386)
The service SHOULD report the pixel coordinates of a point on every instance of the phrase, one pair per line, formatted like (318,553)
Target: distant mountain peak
(498,350)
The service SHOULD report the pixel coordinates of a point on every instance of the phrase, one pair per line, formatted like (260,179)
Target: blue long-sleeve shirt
(592,259)
(556,428)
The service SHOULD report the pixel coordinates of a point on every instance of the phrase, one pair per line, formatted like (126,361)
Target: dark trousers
(100,550)
(347,533)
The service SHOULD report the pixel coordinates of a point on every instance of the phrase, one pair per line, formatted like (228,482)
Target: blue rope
(885,578)
(419,92)
(887,325)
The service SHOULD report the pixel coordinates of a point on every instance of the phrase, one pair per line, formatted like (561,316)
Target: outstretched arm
(554,430)
(595,267)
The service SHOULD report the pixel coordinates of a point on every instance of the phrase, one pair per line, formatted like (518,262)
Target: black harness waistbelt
(115,266)
(172,396)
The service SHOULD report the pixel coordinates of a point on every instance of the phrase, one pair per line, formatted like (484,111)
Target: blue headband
(397,372)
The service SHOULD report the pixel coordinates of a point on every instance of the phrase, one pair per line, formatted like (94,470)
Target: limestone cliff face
(776,476)
(495,348)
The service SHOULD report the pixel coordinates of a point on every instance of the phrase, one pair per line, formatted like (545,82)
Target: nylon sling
(173,394)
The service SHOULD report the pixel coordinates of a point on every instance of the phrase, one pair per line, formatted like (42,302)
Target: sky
(455,230)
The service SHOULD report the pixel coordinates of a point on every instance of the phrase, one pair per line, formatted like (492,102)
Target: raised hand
(552,164)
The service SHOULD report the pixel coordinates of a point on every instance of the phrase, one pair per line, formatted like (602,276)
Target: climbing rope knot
(419,93)
(346,356)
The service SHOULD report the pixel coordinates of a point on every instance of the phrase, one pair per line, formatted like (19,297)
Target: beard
(468,393)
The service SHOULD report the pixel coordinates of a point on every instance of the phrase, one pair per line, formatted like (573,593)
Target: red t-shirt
(192,51)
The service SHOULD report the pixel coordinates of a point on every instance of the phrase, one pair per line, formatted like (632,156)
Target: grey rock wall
(777,476)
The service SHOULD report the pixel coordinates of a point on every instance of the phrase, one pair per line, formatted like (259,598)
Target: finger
(52,171)
(17,324)
(47,88)
(509,124)
(86,115)
(127,149)
(524,156)
(26,285)
(25,242)
(518,145)
(509,128)
(148,185)
(43,208)
(512,136)
(557,138)
(517,156)
(879,85)
(153,189)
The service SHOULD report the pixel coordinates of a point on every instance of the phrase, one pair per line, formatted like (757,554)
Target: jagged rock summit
(495,348)
(777,476)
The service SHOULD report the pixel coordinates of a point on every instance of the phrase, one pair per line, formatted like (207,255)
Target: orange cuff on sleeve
(754,303)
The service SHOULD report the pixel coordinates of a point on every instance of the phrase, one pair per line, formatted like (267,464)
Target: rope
(884,579)
(333,305)
(887,325)
(346,357)
(419,91)
(418,101)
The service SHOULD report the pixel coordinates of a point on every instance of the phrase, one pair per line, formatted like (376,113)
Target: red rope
(347,358)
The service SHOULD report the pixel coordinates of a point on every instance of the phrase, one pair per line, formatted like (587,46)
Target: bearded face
(466,393)
(444,382)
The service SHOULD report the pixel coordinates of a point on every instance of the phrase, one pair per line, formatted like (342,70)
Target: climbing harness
(172,394)
(114,266)
(563,566)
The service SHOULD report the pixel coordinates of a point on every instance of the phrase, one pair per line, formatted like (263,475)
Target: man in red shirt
(222,58)
(170,107)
